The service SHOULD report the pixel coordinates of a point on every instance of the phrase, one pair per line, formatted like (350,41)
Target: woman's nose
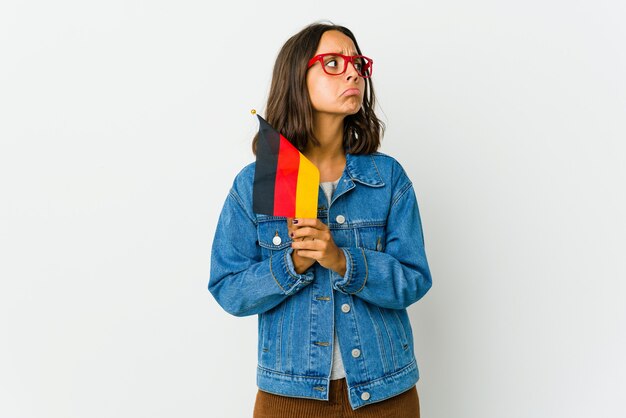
(351,72)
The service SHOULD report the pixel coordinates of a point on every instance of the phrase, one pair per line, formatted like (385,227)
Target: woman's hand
(300,264)
(313,242)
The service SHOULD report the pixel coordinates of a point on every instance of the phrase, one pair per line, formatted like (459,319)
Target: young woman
(330,293)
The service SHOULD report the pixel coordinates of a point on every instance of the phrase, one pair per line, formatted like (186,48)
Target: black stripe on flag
(267,149)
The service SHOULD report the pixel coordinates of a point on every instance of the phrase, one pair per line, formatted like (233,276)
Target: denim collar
(362,168)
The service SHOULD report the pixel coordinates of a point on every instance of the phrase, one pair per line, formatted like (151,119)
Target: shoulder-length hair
(289,109)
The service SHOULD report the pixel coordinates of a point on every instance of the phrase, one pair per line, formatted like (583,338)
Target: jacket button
(345,307)
(356,352)
(340,219)
(365,396)
(276,240)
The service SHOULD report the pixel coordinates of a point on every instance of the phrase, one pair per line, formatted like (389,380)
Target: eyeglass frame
(346,59)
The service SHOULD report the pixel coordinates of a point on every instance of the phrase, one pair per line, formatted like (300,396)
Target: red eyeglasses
(336,64)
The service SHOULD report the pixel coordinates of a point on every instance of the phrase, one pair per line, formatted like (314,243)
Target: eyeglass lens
(336,64)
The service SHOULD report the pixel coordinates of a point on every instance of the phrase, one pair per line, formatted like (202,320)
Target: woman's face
(335,94)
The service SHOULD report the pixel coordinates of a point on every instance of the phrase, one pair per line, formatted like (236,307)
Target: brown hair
(289,109)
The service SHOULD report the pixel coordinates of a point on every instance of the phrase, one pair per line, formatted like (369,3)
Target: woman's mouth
(351,92)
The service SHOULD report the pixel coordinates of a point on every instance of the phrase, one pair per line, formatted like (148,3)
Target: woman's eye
(331,63)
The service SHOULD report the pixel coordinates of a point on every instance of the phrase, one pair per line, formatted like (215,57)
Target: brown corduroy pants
(268,405)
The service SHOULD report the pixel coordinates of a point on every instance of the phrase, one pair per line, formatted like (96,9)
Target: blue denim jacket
(374,219)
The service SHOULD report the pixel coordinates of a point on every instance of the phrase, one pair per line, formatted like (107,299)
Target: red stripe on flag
(286,179)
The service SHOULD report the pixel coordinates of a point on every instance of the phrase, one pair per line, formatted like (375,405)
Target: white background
(123,123)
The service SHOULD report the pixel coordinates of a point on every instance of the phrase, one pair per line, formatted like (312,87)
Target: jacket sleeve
(399,276)
(240,280)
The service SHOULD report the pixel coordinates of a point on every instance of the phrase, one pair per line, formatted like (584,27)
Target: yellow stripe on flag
(307,189)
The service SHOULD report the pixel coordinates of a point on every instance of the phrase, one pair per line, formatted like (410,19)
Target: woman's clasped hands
(311,242)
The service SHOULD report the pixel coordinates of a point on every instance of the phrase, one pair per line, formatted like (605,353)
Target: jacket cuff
(356,271)
(284,272)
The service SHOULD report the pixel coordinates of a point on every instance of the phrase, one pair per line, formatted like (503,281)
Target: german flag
(286,183)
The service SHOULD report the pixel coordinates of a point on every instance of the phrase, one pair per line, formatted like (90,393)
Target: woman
(330,293)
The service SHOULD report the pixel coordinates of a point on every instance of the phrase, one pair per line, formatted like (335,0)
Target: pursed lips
(351,92)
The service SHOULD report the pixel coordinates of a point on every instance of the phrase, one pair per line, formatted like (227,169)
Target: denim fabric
(374,218)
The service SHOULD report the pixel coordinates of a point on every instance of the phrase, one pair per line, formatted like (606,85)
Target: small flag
(286,183)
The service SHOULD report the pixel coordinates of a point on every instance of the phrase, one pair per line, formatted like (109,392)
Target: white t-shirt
(337,370)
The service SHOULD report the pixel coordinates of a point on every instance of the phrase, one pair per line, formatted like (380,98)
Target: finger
(290,226)
(311,222)
(305,232)
(302,245)
(315,255)
(318,246)
(291,229)
(323,237)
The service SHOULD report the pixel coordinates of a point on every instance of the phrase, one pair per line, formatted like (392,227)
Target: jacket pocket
(372,236)
(269,338)
(402,347)
(273,234)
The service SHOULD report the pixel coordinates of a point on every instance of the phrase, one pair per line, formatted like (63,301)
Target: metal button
(356,352)
(365,396)
(345,307)
(340,219)
(276,240)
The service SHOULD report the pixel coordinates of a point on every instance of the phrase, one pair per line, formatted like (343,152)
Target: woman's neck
(329,156)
